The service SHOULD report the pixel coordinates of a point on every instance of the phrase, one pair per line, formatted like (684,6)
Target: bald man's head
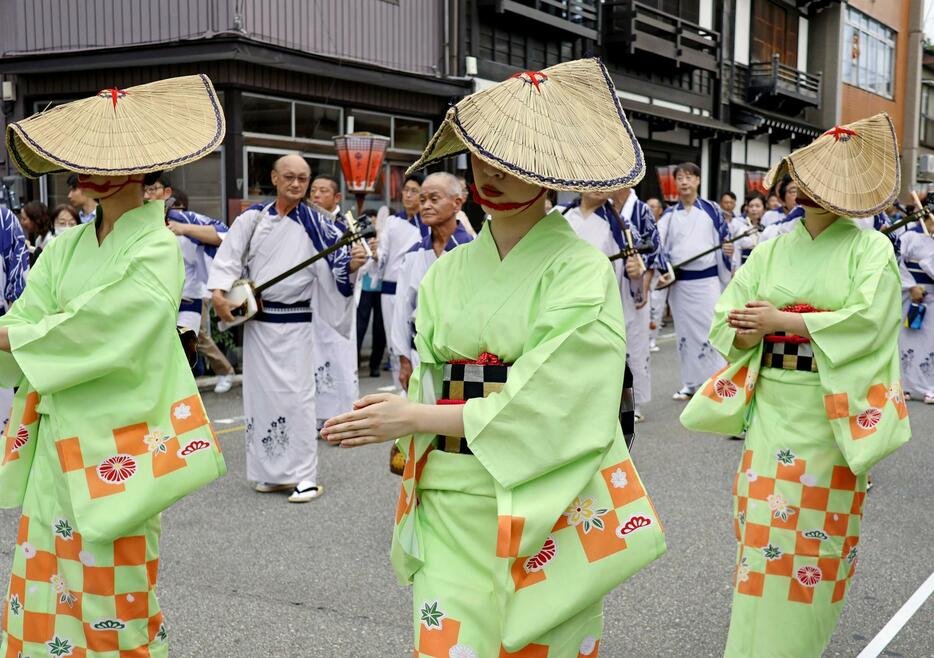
(291,175)
(292,161)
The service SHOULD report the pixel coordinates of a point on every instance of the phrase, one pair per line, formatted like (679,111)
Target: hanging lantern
(361,155)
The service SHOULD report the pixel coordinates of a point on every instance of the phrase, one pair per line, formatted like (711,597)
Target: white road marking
(891,629)
(386,389)
(228,421)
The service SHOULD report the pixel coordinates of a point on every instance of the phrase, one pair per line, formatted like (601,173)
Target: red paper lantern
(361,155)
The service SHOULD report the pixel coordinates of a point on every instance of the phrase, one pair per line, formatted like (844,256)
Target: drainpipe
(912,101)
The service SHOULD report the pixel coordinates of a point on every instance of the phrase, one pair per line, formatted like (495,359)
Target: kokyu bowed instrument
(245,296)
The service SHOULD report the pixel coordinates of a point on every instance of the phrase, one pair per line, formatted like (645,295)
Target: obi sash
(788,351)
(465,380)
(694,275)
(190,306)
(918,274)
(281,313)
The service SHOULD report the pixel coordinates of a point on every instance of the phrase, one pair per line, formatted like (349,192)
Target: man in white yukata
(278,364)
(689,228)
(398,234)
(439,201)
(636,307)
(198,238)
(592,217)
(335,352)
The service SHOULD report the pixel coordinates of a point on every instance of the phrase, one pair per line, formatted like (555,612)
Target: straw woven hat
(850,170)
(117,132)
(561,128)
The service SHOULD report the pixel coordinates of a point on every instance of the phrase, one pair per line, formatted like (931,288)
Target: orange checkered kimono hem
(512,541)
(813,430)
(107,430)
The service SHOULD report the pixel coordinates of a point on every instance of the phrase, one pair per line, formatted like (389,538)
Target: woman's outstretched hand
(375,419)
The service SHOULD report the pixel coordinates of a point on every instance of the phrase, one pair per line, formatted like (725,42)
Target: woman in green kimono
(520,507)
(107,427)
(810,327)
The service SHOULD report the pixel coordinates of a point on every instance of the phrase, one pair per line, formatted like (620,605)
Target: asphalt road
(249,575)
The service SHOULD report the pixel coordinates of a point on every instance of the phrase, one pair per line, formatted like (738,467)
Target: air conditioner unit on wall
(926,168)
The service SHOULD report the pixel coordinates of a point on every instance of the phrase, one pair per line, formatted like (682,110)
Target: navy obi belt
(281,313)
(918,274)
(694,275)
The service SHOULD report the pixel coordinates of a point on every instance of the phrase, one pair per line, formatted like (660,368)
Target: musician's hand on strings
(635,268)
(405,372)
(357,257)
(375,418)
(222,307)
(665,279)
(916,293)
(728,249)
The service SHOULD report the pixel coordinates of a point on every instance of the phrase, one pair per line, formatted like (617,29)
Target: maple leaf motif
(431,615)
(771,552)
(786,457)
(59,647)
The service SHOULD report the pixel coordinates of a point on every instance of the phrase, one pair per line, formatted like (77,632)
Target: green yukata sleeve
(559,406)
(36,302)
(101,331)
(856,348)
(741,289)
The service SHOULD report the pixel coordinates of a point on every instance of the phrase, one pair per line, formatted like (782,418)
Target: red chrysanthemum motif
(809,576)
(869,418)
(636,522)
(21,439)
(117,469)
(725,388)
(195,446)
(538,561)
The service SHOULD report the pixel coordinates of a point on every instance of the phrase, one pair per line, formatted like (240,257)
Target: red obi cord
(485,359)
(450,402)
(500,207)
(792,338)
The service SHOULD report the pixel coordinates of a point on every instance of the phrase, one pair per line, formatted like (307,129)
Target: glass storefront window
(267,116)
(201,180)
(378,124)
(410,134)
(317,121)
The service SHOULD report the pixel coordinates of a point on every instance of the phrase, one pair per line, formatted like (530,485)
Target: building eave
(227,47)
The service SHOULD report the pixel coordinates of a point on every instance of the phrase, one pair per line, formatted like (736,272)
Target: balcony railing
(578,17)
(645,29)
(780,87)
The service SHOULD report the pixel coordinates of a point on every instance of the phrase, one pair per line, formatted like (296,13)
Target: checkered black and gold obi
(788,355)
(466,380)
(788,351)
